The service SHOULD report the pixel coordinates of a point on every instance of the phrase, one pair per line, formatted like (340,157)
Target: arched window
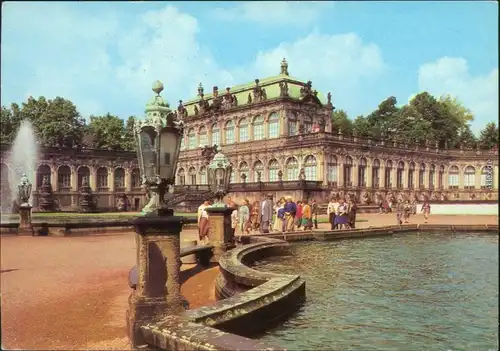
(348,171)
(119,179)
(432,176)
(292,169)
(388,174)
(274,125)
(332,169)
(244,172)
(83,172)
(487,177)
(136,178)
(215,134)
(310,167)
(441,177)
(64,178)
(181,176)
(400,174)
(362,172)
(421,176)
(258,167)
(411,172)
(102,178)
(203,136)
(274,168)
(258,128)
(41,172)
(453,174)
(376,173)
(191,139)
(203,175)
(229,130)
(469,177)
(292,124)
(243,130)
(192,175)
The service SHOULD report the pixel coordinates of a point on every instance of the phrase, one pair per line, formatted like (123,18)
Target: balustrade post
(220,232)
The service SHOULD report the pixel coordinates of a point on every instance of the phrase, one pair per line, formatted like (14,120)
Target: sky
(104,56)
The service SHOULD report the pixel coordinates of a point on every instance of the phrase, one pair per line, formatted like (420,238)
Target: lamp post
(24,194)
(219,176)
(158,138)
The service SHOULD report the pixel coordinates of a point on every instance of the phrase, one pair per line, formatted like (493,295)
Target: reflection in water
(411,292)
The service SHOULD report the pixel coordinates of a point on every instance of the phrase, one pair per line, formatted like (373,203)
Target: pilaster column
(266,127)
(461,175)
(93,178)
(157,291)
(394,174)
(416,176)
(250,131)
(210,142)
(220,232)
(283,124)
(74,179)
(445,179)
(355,175)
(324,168)
(111,179)
(426,176)
(128,179)
(382,176)
(369,175)
(340,182)
(54,181)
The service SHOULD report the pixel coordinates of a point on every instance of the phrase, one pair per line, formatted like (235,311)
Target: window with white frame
(229,130)
(181,177)
(258,128)
(376,173)
(258,167)
(244,170)
(102,177)
(292,124)
(432,176)
(192,175)
(274,125)
(486,176)
(310,167)
(191,139)
(215,134)
(307,125)
(469,177)
(203,136)
(332,169)
(243,129)
(274,168)
(203,175)
(292,169)
(453,175)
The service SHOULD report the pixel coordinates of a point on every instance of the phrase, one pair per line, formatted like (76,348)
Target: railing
(469,187)
(453,187)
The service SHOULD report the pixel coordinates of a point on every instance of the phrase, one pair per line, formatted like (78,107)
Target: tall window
(102,177)
(274,125)
(64,178)
(310,167)
(453,174)
(191,139)
(376,173)
(203,136)
(192,175)
(307,125)
(292,124)
(400,174)
(42,172)
(136,178)
(469,177)
(274,168)
(181,176)
(119,179)
(183,142)
(421,176)
(203,175)
(292,169)
(258,167)
(215,134)
(411,172)
(486,177)
(244,170)
(432,176)
(229,130)
(348,171)
(441,177)
(258,128)
(332,169)
(388,174)
(362,172)
(243,130)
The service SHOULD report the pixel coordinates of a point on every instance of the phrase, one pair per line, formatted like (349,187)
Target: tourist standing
(281,216)
(266,213)
(341,218)
(234,217)
(298,215)
(353,208)
(244,217)
(278,221)
(407,209)
(399,211)
(336,205)
(330,211)
(203,226)
(290,211)
(426,209)
(255,216)
(306,216)
(314,209)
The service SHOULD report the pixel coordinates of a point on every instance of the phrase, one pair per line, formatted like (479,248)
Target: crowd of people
(285,215)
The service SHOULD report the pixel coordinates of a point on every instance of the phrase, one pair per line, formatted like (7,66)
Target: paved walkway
(71,293)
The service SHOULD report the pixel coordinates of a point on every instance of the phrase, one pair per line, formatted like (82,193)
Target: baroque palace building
(278,134)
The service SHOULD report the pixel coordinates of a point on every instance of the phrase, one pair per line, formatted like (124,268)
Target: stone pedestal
(158,265)
(25,227)
(220,232)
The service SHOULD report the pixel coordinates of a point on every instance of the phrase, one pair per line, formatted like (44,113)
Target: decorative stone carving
(280,175)
(284,67)
(306,90)
(249,99)
(302,174)
(86,199)
(283,89)
(46,199)
(259,94)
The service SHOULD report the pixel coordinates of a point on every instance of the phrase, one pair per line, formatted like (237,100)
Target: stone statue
(249,100)
(280,175)
(196,111)
(24,188)
(244,177)
(329,98)
(283,89)
(365,199)
(284,67)
(302,174)
(259,176)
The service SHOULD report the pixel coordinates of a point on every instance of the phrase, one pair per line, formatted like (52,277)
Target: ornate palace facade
(277,133)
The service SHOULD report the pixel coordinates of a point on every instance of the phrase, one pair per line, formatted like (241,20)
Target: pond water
(409,292)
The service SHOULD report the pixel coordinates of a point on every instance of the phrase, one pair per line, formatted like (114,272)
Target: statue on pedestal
(24,189)
(86,199)
(45,196)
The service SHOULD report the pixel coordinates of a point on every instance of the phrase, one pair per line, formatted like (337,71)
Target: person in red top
(298,214)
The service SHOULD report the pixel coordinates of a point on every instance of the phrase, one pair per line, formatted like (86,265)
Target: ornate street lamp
(219,176)
(158,139)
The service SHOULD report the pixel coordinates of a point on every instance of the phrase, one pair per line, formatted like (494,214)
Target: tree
(341,121)
(466,139)
(108,132)
(488,138)
(129,140)
(457,110)
(410,127)
(361,127)
(8,128)
(380,121)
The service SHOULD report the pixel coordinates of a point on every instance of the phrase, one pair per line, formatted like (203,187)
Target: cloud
(450,75)
(106,61)
(272,13)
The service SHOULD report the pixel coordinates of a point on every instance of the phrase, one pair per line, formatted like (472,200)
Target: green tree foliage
(341,121)
(361,127)
(107,132)
(489,136)
(466,139)
(129,141)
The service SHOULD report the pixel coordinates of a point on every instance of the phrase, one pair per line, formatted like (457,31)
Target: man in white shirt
(330,211)
(266,215)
